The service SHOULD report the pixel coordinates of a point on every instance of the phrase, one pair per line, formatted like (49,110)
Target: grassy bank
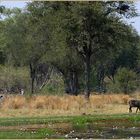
(58,127)
(72,119)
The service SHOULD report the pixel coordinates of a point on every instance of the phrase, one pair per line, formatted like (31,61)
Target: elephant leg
(130,110)
(137,109)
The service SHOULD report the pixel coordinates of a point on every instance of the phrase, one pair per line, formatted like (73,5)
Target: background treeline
(69,47)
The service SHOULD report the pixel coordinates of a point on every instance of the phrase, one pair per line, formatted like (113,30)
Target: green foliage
(76,123)
(55,86)
(14,77)
(2,8)
(93,79)
(125,81)
(63,35)
(24,134)
(112,87)
(2,58)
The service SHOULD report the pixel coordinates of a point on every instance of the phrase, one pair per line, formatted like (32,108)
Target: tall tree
(59,54)
(88,29)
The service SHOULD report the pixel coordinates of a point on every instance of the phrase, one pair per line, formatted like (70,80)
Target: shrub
(125,81)
(14,77)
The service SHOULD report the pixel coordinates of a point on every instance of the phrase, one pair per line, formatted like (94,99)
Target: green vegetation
(21,127)
(67,47)
(125,81)
(67,119)
(23,134)
(14,77)
(80,44)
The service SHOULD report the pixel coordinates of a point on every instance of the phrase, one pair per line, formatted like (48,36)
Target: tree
(59,55)
(83,29)
(22,45)
(125,56)
(88,34)
(68,36)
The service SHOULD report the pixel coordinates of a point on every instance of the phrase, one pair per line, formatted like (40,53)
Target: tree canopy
(75,39)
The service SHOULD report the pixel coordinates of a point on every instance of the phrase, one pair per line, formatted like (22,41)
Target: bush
(14,77)
(125,81)
(55,85)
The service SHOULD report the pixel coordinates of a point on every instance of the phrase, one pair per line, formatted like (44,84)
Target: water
(101,130)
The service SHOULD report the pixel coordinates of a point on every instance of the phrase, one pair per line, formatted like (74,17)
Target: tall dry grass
(64,103)
(13,102)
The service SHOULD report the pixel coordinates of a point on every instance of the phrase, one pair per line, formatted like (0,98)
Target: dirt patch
(33,127)
(23,127)
(114,120)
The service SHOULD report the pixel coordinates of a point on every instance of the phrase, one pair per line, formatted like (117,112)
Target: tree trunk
(32,75)
(87,77)
(32,85)
(71,83)
(66,83)
(125,87)
(100,78)
(74,83)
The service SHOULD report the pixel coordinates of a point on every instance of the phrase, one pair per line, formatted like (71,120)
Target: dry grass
(64,105)
(12,102)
